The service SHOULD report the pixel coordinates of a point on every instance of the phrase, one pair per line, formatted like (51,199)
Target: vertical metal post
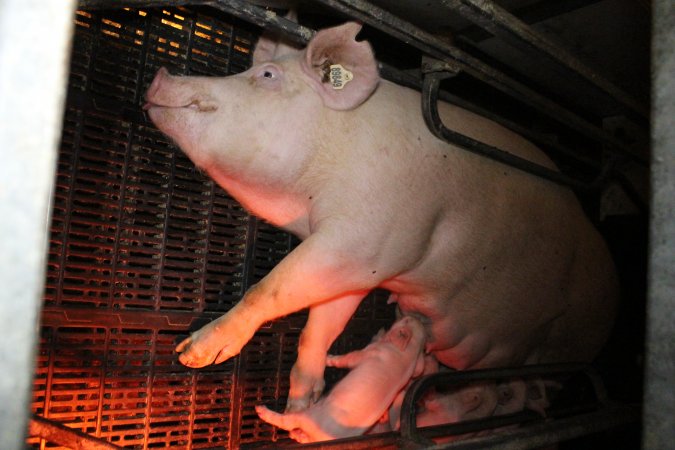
(659,405)
(34,48)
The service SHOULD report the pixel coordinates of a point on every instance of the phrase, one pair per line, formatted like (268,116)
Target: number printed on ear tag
(339,76)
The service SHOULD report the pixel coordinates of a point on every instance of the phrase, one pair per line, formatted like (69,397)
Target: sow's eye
(268,76)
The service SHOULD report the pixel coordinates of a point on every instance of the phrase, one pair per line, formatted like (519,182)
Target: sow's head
(270,106)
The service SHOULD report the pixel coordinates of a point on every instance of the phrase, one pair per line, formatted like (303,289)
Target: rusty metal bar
(57,433)
(501,23)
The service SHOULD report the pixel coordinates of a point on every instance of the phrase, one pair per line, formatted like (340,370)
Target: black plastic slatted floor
(144,249)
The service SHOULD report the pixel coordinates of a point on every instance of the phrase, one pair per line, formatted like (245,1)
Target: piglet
(357,402)
(483,399)
(473,401)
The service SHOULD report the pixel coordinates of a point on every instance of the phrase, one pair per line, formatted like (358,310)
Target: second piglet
(378,373)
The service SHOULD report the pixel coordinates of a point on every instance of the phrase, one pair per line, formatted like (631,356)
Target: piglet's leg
(325,323)
(346,361)
(290,422)
(318,270)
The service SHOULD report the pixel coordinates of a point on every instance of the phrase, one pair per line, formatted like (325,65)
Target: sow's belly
(473,331)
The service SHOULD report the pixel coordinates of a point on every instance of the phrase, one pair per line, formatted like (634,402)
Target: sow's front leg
(316,271)
(324,324)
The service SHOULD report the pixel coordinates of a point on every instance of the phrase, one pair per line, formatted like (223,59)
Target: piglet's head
(406,334)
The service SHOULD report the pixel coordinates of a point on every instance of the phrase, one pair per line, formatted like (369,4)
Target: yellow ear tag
(339,76)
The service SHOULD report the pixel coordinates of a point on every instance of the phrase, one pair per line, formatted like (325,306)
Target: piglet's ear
(341,70)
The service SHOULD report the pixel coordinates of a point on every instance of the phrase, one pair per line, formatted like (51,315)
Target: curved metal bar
(409,430)
(545,433)
(433,120)
(547,140)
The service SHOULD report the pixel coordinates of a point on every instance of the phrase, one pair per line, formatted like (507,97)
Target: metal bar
(264,18)
(433,120)
(531,436)
(520,418)
(500,22)
(659,406)
(541,435)
(33,71)
(546,140)
(530,14)
(238,8)
(422,436)
(53,316)
(367,442)
(432,46)
(409,430)
(56,433)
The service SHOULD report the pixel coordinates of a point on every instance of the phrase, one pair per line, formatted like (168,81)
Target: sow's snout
(168,91)
(152,92)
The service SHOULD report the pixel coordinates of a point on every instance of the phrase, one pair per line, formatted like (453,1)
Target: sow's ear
(341,70)
(271,46)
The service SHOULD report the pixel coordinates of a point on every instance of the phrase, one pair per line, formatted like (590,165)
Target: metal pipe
(501,23)
(545,140)
(531,436)
(238,8)
(530,14)
(423,436)
(56,433)
(433,120)
(547,433)
(408,408)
